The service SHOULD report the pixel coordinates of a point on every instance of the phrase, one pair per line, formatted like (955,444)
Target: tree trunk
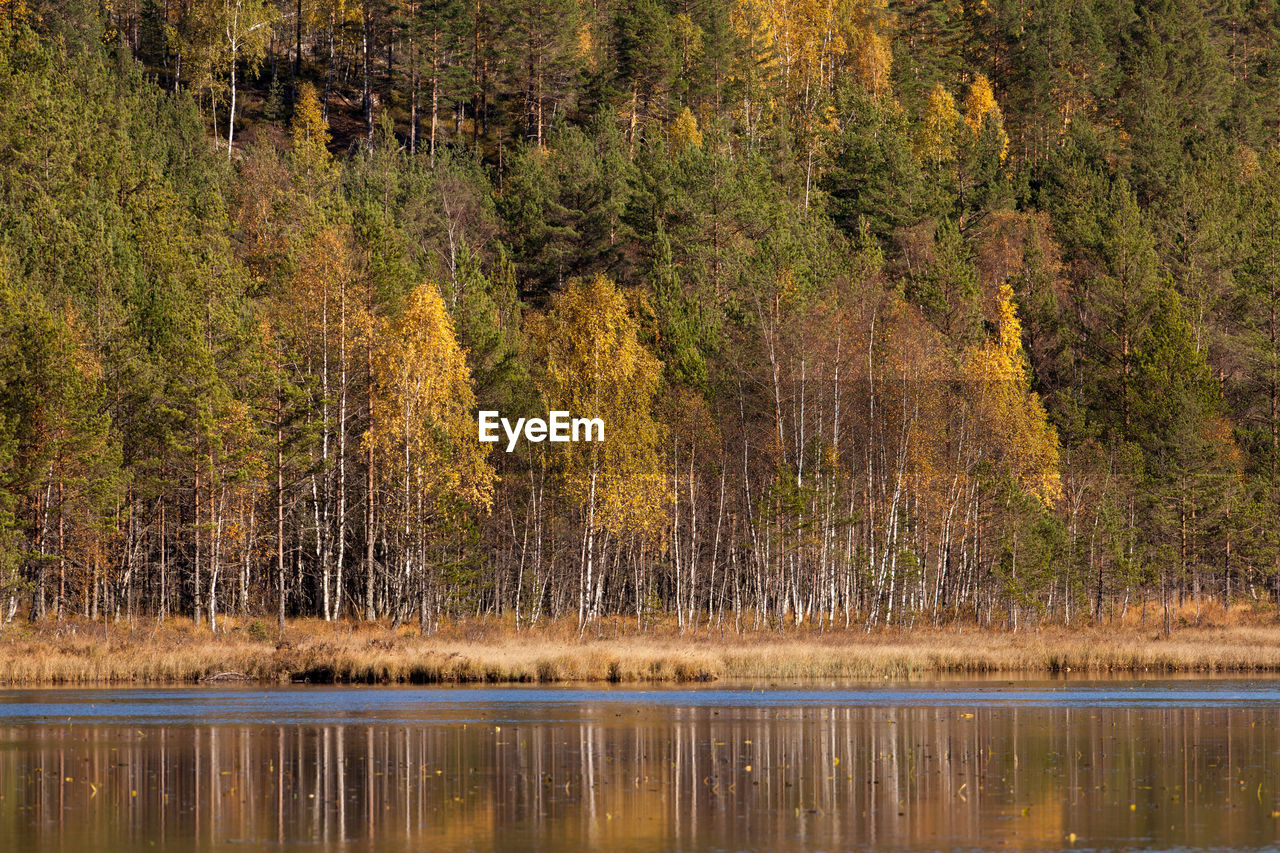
(195,585)
(435,91)
(231,119)
(369,611)
(280,578)
(62,554)
(366,101)
(413,97)
(342,450)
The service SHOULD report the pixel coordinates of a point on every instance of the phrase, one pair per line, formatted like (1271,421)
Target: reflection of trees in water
(618,776)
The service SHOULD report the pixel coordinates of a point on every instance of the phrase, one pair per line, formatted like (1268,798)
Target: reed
(1245,641)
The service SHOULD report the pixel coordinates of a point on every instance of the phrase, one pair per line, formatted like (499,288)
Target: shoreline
(86,653)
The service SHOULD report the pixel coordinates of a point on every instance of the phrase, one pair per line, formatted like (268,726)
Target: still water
(1045,765)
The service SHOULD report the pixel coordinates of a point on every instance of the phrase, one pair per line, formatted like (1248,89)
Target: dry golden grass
(1240,640)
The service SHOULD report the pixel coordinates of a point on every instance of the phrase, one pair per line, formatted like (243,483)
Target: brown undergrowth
(1207,639)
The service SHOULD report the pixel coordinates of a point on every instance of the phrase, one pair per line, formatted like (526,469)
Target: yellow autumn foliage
(689,37)
(594,366)
(936,142)
(15,11)
(873,55)
(1010,413)
(310,131)
(802,46)
(684,131)
(424,435)
(980,107)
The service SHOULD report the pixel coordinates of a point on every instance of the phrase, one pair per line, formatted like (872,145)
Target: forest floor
(1207,639)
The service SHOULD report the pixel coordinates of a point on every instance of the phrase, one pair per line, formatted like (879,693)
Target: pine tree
(646,60)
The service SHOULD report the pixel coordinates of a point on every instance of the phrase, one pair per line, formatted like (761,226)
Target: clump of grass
(494,652)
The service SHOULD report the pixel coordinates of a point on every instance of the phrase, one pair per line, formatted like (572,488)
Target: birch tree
(594,366)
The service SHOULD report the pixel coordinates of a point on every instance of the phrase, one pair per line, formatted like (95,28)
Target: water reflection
(622,776)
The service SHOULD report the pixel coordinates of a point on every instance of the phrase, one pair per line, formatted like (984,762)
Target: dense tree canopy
(892,311)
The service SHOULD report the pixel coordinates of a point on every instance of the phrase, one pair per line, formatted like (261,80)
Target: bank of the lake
(1241,641)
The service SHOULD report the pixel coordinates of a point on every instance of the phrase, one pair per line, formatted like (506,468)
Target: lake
(1025,764)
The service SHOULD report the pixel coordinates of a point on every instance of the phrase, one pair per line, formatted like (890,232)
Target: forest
(898,312)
